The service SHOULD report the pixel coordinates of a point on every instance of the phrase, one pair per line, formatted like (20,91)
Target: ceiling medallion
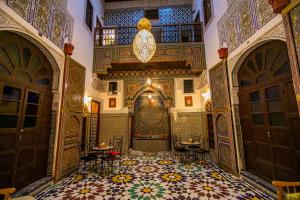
(144,45)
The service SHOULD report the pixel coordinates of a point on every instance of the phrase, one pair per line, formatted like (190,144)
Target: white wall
(198,99)
(211,37)
(83,38)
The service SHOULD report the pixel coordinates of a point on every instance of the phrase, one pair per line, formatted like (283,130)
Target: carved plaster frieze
(55,57)
(277,32)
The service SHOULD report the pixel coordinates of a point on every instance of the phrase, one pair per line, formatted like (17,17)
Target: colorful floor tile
(153,177)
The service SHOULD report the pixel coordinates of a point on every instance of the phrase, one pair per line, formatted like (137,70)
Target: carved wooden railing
(175,43)
(173,33)
(50,17)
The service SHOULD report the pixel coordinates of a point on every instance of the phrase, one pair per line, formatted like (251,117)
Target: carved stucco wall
(132,87)
(241,20)
(50,17)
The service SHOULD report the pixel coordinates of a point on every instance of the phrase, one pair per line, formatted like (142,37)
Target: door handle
(269,134)
(22,130)
(20,138)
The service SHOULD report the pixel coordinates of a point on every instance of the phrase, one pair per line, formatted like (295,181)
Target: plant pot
(278,5)
(223,53)
(68,48)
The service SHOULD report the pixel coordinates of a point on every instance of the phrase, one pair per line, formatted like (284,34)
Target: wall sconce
(148,81)
(206,95)
(87,99)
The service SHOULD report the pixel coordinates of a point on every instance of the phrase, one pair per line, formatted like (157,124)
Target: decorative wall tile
(50,17)
(180,15)
(295,22)
(241,20)
(134,86)
(114,125)
(196,124)
(151,119)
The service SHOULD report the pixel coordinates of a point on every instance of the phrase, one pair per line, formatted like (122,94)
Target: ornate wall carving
(50,17)
(295,22)
(242,20)
(151,119)
(55,58)
(99,85)
(191,53)
(291,22)
(72,107)
(223,140)
(222,122)
(132,87)
(218,87)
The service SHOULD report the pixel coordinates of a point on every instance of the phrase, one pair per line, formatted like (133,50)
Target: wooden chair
(7,192)
(287,189)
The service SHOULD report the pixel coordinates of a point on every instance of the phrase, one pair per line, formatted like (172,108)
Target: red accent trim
(223,53)
(278,5)
(68,48)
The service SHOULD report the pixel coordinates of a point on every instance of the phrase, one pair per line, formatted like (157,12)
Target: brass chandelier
(144,45)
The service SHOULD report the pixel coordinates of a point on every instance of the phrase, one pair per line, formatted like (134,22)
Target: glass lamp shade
(144,46)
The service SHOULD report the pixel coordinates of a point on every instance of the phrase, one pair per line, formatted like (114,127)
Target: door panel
(272,137)
(25,93)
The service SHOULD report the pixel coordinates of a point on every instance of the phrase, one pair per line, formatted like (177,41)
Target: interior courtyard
(149,99)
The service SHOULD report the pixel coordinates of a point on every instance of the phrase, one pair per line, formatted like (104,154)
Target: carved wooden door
(269,115)
(25,111)
(69,154)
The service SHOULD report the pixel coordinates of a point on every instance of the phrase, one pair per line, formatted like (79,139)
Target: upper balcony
(178,46)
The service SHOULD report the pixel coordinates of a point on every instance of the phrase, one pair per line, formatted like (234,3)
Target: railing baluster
(180,33)
(163,34)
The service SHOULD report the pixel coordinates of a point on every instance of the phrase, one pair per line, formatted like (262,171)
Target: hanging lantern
(144,45)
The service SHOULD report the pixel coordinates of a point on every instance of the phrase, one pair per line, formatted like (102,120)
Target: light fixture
(144,45)
(150,96)
(206,95)
(87,99)
(148,81)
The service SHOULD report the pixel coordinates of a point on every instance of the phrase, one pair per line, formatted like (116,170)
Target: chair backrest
(176,141)
(286,188)
(117,143)
(7,193)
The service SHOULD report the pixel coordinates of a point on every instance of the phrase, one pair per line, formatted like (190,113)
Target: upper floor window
(152,14)
(113,87)
(207,10)
(188,86)
(89,15)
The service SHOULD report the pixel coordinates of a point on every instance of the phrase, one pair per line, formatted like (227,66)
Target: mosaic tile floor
(153,177)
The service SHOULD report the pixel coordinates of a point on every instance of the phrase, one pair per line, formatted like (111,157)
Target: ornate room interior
(149,99)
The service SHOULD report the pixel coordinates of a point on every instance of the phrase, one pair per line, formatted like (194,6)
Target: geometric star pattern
(156,176)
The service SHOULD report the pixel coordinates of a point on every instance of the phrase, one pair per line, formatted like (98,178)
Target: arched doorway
(25,111)
(151,123)
(269,115)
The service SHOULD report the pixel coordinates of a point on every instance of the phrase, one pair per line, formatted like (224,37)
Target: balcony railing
(163,34)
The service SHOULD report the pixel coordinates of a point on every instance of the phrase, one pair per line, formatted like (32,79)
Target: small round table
(187,143)
(102,149)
